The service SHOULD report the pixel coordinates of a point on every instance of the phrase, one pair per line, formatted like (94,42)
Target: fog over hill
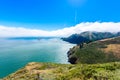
(11,31)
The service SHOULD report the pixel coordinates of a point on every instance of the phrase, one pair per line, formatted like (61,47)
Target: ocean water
(16,53)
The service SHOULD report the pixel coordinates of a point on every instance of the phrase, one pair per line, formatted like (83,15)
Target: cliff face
(50,71)
(107,50)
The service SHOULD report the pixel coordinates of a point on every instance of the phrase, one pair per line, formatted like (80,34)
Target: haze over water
(16,53)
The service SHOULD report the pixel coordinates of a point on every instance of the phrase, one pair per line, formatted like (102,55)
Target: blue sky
(57,14)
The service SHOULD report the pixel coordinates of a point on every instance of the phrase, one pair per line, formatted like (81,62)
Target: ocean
(15,53)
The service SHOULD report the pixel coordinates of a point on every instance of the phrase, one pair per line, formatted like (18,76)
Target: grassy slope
(50,71)
(102,51)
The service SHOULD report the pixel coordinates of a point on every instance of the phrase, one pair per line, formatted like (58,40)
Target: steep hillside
(50,71)
(89,36)
(107,50)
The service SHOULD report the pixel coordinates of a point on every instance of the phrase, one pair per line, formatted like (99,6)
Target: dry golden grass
(31,67)
(114,48)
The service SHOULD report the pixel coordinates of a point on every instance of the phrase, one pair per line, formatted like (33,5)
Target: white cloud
(87,26)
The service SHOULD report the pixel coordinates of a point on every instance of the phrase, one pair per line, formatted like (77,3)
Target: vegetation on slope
(102,51)
(50,71)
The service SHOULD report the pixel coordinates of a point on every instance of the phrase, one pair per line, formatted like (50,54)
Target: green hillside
(107,50)
(50,71)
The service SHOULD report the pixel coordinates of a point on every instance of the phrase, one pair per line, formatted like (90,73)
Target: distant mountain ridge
(89,36)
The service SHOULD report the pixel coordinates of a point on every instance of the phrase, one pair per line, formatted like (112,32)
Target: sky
(49,16)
